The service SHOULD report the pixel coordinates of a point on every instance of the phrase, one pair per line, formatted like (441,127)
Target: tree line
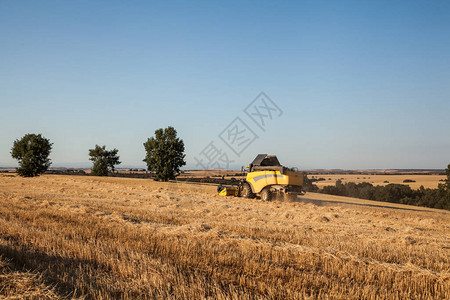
(394,193)
(164,155)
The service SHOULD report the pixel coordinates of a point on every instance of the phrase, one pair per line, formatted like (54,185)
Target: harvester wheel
(246,191)
(266,195)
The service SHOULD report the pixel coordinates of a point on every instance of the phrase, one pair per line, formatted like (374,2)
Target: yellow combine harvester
(266,178)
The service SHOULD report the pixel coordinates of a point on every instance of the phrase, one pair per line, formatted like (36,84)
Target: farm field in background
(110,238)
(428,181)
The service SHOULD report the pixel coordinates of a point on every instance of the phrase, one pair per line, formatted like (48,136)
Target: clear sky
(360,84)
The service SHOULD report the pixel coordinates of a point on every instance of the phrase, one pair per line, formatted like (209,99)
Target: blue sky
(361,84)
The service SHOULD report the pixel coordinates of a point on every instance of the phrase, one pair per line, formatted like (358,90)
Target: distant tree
(32,152)
(447,171)
(165,154)
(409,180)
(104,160)
(308,183)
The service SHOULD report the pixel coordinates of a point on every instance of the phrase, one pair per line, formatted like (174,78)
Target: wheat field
(428,181)
(116,238)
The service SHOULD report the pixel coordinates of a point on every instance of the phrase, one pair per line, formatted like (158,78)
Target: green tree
(104,160)
(165,154)
(308,184)
(32,152)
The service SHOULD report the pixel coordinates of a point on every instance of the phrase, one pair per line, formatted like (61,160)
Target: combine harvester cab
(267,178)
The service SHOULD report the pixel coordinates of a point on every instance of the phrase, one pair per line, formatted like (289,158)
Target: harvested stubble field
(105,238)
